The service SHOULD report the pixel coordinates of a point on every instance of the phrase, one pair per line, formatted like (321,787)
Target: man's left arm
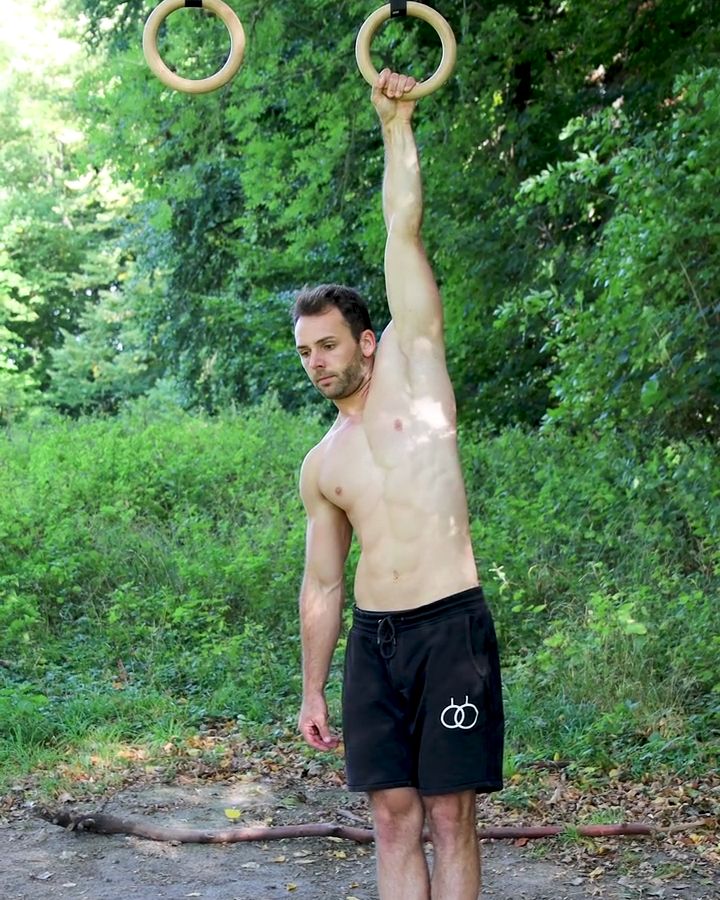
(412,292)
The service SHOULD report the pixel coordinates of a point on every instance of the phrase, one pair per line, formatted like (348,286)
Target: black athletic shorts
(422,701)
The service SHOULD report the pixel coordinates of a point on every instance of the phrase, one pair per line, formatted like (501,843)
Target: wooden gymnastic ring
(194,85)
(419,11)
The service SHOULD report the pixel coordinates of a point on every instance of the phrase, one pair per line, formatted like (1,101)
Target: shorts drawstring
(386,637)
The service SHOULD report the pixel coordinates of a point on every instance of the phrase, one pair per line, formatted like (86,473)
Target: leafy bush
(160,554)
(600,562)
(156,532)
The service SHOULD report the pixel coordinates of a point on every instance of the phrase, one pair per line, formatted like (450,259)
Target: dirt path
(40,860)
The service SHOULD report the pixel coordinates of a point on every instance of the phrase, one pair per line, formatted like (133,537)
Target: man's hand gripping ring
(419,11)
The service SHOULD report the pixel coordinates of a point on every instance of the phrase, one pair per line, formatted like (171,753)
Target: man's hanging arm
(322,596)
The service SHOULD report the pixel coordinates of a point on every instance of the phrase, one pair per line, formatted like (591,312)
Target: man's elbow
(316,593)
(404,224)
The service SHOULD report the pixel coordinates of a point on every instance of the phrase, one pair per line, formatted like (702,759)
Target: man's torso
(395,473)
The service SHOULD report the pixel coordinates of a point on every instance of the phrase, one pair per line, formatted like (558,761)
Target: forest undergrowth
(151,565)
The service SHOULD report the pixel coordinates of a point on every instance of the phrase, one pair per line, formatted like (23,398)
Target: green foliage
(154,559)
(23,715)
(19,616)
(163,527)
(106,362)
(600,559)
(147,562)
(630,315)
(634,524)
(566,169)
(59,219)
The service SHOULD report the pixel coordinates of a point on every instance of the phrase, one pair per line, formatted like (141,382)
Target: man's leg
(456,849)
(399,816)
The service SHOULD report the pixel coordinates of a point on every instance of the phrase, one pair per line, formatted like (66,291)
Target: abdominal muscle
(411,520)
(383,584)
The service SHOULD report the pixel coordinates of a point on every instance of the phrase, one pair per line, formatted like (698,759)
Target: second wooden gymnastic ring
(419,11)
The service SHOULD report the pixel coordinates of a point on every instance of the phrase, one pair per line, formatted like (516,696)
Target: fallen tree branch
(514,832)
(103,823)
(691,826)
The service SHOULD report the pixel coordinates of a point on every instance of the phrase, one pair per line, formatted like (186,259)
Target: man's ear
(368,343)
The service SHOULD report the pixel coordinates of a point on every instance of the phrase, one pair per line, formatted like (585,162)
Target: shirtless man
(422,711)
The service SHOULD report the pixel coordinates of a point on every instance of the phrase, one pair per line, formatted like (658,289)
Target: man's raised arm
(412,293)
(322,596)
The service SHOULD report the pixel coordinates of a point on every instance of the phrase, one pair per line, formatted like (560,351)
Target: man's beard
(344,383)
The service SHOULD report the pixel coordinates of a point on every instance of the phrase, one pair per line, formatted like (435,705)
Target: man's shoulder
(312,458)
(317,452)
(310,467)
(309,475)
(312,475)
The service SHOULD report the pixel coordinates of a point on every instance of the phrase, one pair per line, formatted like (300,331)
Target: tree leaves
(567,184)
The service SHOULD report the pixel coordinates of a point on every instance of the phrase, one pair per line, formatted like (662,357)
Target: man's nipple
(398,425)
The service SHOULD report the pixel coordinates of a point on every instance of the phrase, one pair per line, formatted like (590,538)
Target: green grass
(56,732)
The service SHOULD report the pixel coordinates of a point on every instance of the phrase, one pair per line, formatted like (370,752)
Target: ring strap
(398,8)
(196,3)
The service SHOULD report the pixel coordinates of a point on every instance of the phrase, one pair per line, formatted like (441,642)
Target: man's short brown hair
(313,301)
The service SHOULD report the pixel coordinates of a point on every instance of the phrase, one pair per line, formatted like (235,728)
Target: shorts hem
(480,787)
(384,786)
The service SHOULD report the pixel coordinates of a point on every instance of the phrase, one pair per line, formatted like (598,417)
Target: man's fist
(387,94)
(313,724)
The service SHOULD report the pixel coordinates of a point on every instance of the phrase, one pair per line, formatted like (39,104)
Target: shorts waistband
(463,601)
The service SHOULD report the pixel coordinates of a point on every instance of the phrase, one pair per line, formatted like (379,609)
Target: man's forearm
(320,619)
(402,186)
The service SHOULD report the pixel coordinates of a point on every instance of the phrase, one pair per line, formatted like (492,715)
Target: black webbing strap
(197,3)
(398,8)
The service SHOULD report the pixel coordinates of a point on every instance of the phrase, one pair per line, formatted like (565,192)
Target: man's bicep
(328,533)
(326,547)
(412,292)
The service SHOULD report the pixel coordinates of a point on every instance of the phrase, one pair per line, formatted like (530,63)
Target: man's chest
(352,473)
(374,462)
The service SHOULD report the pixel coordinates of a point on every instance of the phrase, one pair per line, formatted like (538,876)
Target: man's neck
(352,406)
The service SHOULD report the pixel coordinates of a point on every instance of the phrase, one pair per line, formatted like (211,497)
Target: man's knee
(451,817)
(398,816)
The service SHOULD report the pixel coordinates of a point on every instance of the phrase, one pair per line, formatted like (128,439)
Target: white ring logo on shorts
(457,715)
